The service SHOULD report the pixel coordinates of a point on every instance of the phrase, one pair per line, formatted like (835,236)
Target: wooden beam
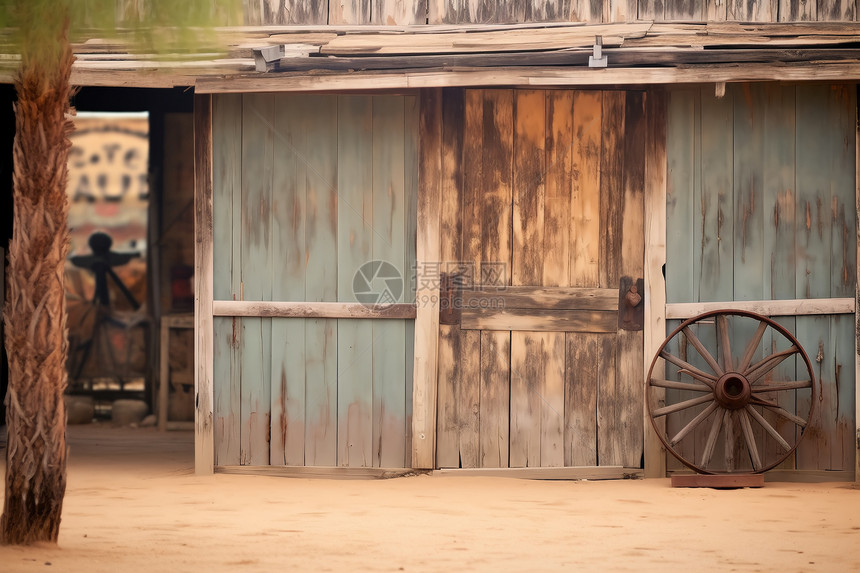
(510,76)
(797,307)
(540,320)
(655,258)
(317,472)
(427,271)
(311,309)
(204,441)
(857,302)
(558,298)
(559,473)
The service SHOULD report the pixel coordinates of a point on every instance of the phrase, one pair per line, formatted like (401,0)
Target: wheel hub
(732,391)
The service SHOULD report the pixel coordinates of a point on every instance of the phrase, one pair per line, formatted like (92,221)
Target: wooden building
(339,147)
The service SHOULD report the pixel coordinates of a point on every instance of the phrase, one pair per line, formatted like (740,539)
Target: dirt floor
(133,504)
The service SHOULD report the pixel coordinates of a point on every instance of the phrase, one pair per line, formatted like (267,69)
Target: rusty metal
(725,398)
(631,307)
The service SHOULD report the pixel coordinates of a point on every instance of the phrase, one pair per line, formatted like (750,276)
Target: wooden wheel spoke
(750,439)
(725,343)
(781,386)
(712,438)
(693,423)
(751,347)
(687,367)
(709,382)
(768,428)
(755,400)
(681,406)
(680,385)
(700,348)
(758,370)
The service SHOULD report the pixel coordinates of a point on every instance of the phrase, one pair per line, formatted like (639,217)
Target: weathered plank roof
(317,58)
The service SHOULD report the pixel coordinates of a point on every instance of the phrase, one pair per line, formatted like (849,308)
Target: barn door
(540,351)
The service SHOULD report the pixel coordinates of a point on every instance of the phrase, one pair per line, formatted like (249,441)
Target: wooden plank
(797,11)
(257,165)
(567,474)
(798,307)
(779,242)
(349,11)
(609,439)
(354,248)
(608,427)
(580,408)
(545,297)
(585,225)
(528,350)
(398,13)
(469,390)
(655,258)
(836,10)
(857,297)
(714,227)
(264,12)
(813,263)
(448,422)
(389,244)
(684,11)
(611,186)
(227,212)
(682,137)
(718,480)
(630,343)
(540,320)
(842,118)
(287,253)
(497,160)
(652,10)
(321,277)
(204,445)
(556,267)
(752,11)
(318,472)
(717,10)
(346,310)
(410,160)
(164,375)
(428,251)
(589,11)
(501,76)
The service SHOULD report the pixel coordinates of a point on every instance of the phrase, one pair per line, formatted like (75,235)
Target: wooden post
(857,303)
(204,443)
(427,280)
(655,258)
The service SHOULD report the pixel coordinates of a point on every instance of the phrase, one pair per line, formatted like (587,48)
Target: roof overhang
(358,58)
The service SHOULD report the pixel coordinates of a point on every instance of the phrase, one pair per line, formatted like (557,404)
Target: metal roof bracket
(598,60)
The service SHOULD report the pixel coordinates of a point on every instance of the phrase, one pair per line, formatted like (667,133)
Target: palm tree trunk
(35,317)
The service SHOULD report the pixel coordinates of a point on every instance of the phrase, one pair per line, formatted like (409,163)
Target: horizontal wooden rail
(797,307)
(310,309)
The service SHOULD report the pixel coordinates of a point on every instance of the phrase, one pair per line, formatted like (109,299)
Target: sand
(133,504)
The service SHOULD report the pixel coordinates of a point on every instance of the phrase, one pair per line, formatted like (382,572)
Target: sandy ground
(133,504)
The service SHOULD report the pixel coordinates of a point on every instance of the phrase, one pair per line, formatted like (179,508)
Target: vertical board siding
(412,12)
(529,350)
(299,182)
(781,161)
(496,204)
(226,207)
(355,233)
(256,282)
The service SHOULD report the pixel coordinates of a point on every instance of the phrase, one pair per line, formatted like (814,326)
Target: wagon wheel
(714,379)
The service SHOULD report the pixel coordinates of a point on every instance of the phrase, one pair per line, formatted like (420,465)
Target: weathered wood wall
(760,206)
(307,189)
(408,12)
